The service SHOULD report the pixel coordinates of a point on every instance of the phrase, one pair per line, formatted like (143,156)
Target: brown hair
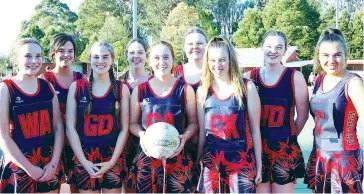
(328,35)
(125,75)
(169,46)
(234,73)
(15,50)
(275,33)
(112,79)
(59,40)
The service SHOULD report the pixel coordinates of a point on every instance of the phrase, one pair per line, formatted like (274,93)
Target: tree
(327,19)
(152,16)
(297,19)
(207,24)
(5,65)
(179,20)
(51,17)
(251,29)
(357,40)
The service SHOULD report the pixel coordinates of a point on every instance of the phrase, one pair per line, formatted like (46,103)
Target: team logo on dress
(146,101)
(57,92)
(18,100)
(83,99)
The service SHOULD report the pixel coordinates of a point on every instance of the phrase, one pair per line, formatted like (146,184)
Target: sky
(12,12)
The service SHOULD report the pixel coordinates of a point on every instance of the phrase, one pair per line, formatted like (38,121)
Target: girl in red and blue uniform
(97,125)
(62,53)
(162,99)
(229,146)
(31,127)
(336,161)
(282,91)
(136,55)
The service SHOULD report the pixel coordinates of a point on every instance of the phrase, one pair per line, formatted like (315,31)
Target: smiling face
(64,56)
(218,60)
(273,49)
(136,55)
(161,60)
(101,59)
(30,59)
(194,46)
(332,57)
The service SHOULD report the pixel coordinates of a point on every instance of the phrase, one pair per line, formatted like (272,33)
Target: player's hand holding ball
(162,141)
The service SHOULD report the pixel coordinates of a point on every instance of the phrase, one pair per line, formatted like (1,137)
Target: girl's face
(30,59)
(218,60)
(64,57)
(273,49)
(161,60)
(101,59)
(194,47)
(332,57)
(136,55)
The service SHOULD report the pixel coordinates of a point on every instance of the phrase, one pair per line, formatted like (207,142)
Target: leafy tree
(297,19)
(327,19)
(51,17)
(179,20)
(357,40)
(5,65)
(207,24)
(251,29)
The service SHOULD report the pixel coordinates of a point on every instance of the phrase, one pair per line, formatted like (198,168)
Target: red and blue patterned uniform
(336,161)
(282,157)
(192,144)
(67,153)
(98,133)
(149,175)
(227,162)
(31,128)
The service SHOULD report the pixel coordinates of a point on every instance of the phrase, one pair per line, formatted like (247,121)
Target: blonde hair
(234,73)
(328,35)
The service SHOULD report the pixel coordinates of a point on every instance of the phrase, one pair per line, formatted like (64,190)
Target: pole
(135,5)
(337,14)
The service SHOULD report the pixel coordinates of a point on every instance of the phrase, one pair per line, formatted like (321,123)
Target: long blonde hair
(234,73)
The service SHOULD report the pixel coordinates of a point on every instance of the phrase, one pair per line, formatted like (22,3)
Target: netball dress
(282,156)
(67,153)
(31,128)
(150,175)
(227,162)
(336,161)
(98,132)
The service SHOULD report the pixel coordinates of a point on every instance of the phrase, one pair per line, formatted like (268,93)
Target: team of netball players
(238,131)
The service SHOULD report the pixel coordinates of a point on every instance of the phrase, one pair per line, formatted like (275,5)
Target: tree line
(243,22)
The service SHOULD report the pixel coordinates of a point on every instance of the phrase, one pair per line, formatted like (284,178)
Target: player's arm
(201,123)
(51,168)
(301,99)
(254,109)
(356,94)
(71,121)
(8,146)
(123,135)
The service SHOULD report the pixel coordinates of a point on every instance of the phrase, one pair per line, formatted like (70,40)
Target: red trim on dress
(185,93)
(274,85)
(162,97)
(121,91)
(292,109)
(30,95)
(183,77)
(214,94)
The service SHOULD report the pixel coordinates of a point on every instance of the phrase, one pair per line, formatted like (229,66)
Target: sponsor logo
(83,99)
(349,131)
(166,143)
(18,100)
(57,92)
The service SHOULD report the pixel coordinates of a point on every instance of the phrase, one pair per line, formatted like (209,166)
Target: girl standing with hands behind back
(31,130)
(229,145)
(281,91)
(336,161)
(97,124)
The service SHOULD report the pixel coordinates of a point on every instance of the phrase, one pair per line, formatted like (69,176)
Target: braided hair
(112,79)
